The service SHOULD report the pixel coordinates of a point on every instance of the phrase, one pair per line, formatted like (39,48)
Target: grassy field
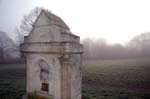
(102,79)
(12,81)
(116,79)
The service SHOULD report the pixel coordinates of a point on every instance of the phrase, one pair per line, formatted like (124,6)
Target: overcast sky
(115,20)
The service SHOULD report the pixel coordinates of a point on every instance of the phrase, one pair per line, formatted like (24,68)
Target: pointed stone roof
(55,19)
(50,34)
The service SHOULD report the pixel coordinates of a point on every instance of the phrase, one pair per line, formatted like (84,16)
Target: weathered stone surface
(54,57)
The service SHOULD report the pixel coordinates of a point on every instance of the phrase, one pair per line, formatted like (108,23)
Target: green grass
(102,79)
(12,81)
(116,79)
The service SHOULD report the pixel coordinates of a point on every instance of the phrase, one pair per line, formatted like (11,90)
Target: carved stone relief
(45,73)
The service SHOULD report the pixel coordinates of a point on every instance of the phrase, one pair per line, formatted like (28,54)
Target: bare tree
(7,48)
(140,44)
(27,24)
(94,48)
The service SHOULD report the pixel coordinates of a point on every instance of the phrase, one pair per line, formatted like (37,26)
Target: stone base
(37,95)
(24,96)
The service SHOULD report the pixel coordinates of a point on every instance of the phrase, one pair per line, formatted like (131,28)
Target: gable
(44,30)
(42,20)
(44,34)
(47,27)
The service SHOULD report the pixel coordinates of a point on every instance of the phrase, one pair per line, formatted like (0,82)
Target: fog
(138,46)
(12,12)
(94,48)
(115,35)
(116,21)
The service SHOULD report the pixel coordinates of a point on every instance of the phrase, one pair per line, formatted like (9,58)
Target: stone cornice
(52,47)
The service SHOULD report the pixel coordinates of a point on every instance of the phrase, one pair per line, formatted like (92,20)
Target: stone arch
(44,70)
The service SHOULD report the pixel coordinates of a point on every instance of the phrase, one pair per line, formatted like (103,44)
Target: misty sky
(115,20)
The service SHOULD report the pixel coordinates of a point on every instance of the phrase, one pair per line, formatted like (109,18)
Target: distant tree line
(9,51)
(139,46)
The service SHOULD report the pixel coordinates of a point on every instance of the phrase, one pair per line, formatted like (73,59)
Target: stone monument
(54,58)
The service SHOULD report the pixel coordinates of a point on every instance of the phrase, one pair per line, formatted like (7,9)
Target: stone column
(65,77)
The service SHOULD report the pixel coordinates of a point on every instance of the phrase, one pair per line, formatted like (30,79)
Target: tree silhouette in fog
(27,24)
(138,46)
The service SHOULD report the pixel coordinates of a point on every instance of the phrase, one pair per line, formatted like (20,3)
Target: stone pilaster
(65,77)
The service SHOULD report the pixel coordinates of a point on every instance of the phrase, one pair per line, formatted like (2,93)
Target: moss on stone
(35,96)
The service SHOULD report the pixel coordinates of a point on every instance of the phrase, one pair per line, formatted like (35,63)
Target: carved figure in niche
(44,70)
